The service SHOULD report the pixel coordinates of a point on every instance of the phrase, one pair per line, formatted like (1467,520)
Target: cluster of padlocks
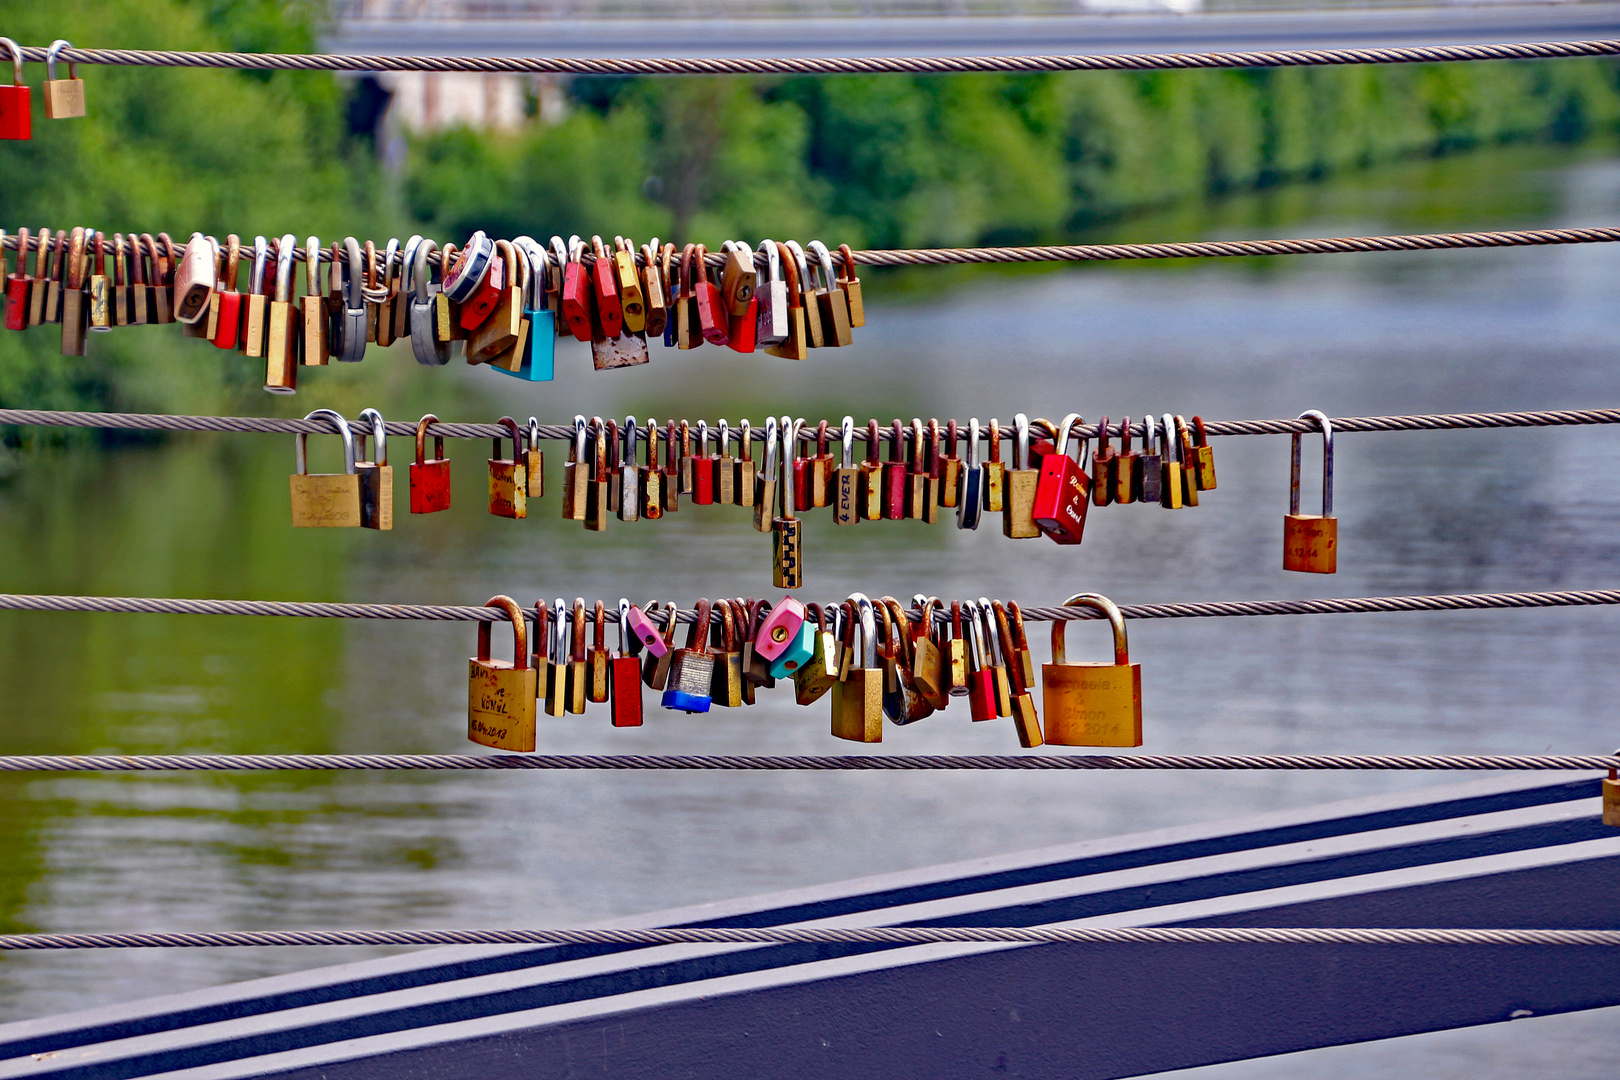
(872,660)
(505,301)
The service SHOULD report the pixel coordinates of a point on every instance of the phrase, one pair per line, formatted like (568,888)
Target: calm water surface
(206,516)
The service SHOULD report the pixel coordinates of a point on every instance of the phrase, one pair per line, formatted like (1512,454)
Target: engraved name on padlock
(1311,541)
(1091,704)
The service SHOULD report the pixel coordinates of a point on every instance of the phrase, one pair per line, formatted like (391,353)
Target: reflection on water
(205,515)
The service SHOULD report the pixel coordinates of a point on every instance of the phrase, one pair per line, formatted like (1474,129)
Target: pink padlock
(645,632)
(780,628)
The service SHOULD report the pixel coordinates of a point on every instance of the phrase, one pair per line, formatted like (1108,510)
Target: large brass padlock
(500,693)
(1090,704)
(508,477)
(376,477)
(326,500)
(282,326)
(857,700)
(1311,541)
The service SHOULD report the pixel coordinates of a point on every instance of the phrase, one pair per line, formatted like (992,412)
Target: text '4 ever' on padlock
(1088,704)
(1311,541)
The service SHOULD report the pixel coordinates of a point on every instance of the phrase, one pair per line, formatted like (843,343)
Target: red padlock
(16,118)
(609,308)
(744,328)
(894,475)
(625,671)
(229,322)
(1063,493)
(576,293)
(18,285)
(714,319)
(703,465)
(430,480)
(981,681)
(486,296)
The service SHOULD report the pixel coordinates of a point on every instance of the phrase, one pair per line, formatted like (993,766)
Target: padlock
(651,477)
(801,646)
(846,495)
(934,475)
(140,292)
(970,499)
(1063,492)
(100,284)
(56,286)
(818,674)
(614,345)
(766,478)
(672,470)
(499,332)
(738,280)
(534,463)
(994,473)
(18,285)
(576,474)
(834,305)
(348,335)
(1204,455)
(796,345)
(615,474)
(691,670)
(800,486)
(578,674)
(122,307)
(325,500)
(64,98)
(927,663)
(1188,461)
(743,487)
(512,359)
(1311,541)
(1019,486)
(756,669)
(950,468)
(557,686)
(400,282)
(476,282)
(981,680)
(161,279)
(446,312)
(430,480)
(1090,704)
(75,303)
(857,700)
(917,474)
(806,289)
(780,635)
(1026,720)
(1149,465)
(642,629)
(225,303)
(955,659)
(713,319)
(625,673)
(851,286)
(194,280)
(684,460)
(725,470)
(376,477)
(42,282)
(996,657)
(255,302)
(821,470)
(903,701)
(893,498)
(653,290)
(656,664)
(508,479)
(16,112)
(596,488)
(1611,797)
(535,355)
(386,290)
(684,320)
(540,652)
(787,542)
(869,503)
(605,291)
(1126,462)
(501,694)
(632,305)
(281,341)
(772,328)
(726,685)
(629,475)
(598,669)
(1104,462)
(701,468)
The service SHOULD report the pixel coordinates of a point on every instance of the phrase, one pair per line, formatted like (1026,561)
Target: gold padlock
(64,98)
(818,674)
(1311,541)
(376,477)
(326,500)
(501,693)
(1611,797)
(1019,485)
(1091,704)
(857,700)
(508,477)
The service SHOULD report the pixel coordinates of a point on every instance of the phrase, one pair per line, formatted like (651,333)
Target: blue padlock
(691,672)
(539,363)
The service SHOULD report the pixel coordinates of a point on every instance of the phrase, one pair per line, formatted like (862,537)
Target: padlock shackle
(846,436)
(992,646)
(868,629)
(51,54)
(627,454)
(261,258)
(697,638)
(1097,602)
(773,260)
(722,438)
(378,431)
(599,449)
(728,627)
(849,261)
(421,439)
(350,276)
(745,440)
(703,438)
(918,449)
(824,263)
(312,266)
(520,632)
(557,648)
(286,248)
(971,462)
(653,433)
(1327,464)
(1148,428)
(16,61)
(1061,432)
(773,450)
(514,433)
(789,429)
(1124,435)
(872,437)
(1020,442)
(301,441)
(1009,648)
(624,626)
(579,622)
(541,638)
(579,438)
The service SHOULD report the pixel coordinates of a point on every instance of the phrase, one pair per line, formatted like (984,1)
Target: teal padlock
(539,362)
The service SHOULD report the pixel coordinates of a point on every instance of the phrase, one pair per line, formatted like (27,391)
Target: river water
(206,515)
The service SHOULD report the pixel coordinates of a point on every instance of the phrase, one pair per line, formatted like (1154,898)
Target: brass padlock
(1611,797)
(765,479)
(281,337)
(806,286)
(1311,541)
(725,470)
(100,284)
(743,486)
(597,670)
(578,677)
(995,474)
(508,477)
(541,652)
(501,694)
(954,661)
(1019,486)
(787,542)
(903,702)
(122,306)
(1204,455)
(1091,704)
(1026,720)
(576,474)
(857,700)
(927,663)
(818,674)
(672,470)
(1189,462)
(557,687)
(376,477)
(64,98)
(326,500)
(256,303)
(796,344)
(650,477)
(851,285)
(871,501)
(726,684)
(947,471)
(596,489)
(835,323)
(534,463)
(38,291)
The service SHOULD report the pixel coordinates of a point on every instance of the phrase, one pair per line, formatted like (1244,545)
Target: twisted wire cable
(1348,605)
(1201,249)
(1428,54)
(880,935)
(32,763)
(565,432)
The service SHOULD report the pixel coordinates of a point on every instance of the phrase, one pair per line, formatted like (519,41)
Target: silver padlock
(773,298)
(425,344)
(629,477)
(970,503)
(349,328)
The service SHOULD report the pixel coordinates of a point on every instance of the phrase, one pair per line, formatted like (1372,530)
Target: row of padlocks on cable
(871,660)
(1043,491)
(505,302)
(64,98)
